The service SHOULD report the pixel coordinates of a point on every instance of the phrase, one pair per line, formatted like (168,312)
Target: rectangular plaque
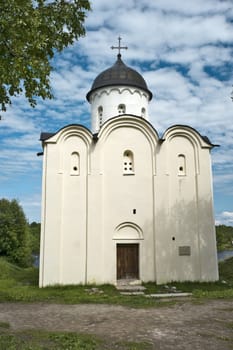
(185,250)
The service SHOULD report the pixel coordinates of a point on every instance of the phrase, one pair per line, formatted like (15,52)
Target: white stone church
(120,202)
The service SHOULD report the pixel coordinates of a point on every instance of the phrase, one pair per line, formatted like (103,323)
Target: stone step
(168,295)
(129,282)
(130,289)
(130,286)
(132,293)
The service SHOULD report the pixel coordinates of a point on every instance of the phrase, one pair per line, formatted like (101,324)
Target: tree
(15,241)
(224,236)
(31,31)
(34,228)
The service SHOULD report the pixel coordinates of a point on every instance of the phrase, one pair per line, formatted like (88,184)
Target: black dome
(119,74)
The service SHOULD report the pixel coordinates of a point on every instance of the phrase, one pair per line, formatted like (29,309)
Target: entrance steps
(134,287)
(130,287)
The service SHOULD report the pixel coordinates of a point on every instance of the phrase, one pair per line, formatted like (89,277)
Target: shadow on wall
(186,242)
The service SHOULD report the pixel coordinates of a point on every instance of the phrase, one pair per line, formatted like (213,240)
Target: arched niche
(128,162)
(128,231)
(74,163)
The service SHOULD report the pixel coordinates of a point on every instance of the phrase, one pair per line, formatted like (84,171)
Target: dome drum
(118,90)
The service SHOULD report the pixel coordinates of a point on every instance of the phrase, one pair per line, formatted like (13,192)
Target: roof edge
(109,85)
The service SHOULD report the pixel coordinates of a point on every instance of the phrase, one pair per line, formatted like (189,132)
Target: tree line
(224,236)
(19,240)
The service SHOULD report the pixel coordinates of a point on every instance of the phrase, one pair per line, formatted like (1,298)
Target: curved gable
(189,133)
(69,131)
(130,121)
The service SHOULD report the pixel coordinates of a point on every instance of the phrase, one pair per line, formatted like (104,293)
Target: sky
(183,49)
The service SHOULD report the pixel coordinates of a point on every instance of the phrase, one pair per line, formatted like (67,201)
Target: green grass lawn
(29,340)
(42,340)
(17,284)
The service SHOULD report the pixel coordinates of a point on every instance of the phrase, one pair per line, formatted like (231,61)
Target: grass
(4,325)
(21,285)
(41,340)
(35,340)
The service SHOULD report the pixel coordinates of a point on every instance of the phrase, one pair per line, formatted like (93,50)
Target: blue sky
(184,50)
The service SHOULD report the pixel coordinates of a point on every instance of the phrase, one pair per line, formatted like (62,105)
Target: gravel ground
(185,325)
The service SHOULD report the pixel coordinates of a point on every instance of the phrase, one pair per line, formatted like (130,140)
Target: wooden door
(127,261)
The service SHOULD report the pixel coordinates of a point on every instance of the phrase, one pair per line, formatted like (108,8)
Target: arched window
(128,163)
(74,164)
(181,165)
(143,112)
(100,116)
(121,109)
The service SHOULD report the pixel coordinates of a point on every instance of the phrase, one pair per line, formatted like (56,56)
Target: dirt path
(183,326)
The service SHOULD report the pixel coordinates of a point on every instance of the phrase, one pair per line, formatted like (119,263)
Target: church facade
(120,202)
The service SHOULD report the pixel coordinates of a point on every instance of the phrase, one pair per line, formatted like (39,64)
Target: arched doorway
(128,236)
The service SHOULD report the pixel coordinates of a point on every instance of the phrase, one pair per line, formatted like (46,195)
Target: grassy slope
(18,284)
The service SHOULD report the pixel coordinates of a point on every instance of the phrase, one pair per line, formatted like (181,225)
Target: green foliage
(31,31)
(34,229)
(12,275)
(224,236)
(14,234)
(4,325)
(226,270)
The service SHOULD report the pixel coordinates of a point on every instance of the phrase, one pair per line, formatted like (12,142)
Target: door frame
(136,244)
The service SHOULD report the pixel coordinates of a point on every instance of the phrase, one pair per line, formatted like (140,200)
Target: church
(120,202)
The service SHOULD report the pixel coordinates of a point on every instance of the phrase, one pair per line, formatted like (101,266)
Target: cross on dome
(119,47)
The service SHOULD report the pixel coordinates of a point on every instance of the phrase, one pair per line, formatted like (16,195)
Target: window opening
(74,163)
(100,116)
(181,165)
(121,109)
(128,163)
(143,112)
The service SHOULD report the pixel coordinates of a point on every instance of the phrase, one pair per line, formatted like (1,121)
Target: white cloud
(31,206)
(225,218)
(191,8)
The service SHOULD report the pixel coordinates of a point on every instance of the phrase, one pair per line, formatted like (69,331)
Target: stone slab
(168,295)
(130,288)
(132,293)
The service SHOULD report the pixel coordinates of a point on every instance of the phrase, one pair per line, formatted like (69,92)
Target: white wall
(64,214)
(85,214)
(184,211)
(122,193)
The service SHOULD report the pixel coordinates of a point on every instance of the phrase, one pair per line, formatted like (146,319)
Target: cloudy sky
(184,50)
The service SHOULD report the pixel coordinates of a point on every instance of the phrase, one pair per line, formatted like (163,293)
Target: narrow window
(128,163)
(121,109)
(74,164)
(181,165)
(143,112)
(100,116)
